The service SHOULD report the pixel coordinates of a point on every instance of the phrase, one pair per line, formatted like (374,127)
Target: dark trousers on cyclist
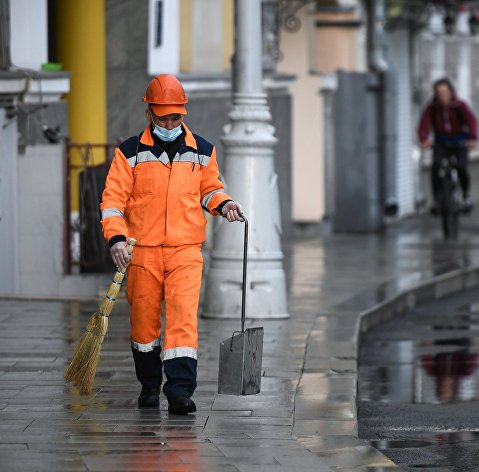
(447,151)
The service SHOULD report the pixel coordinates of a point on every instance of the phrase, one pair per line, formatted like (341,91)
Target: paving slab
(303,420)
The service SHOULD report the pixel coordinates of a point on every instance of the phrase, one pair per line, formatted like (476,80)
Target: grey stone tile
(359,456)
(330,364)
(270,434)
(20,460)
(260,459)
(299,458)
(140,460)
(273,468)
(12,447)
(386,468)
(227,402)
(241,450)
(9,393)
(327,443)
(314,383)
(273,412)
(324,427)
(256,427)
(312,407)
(226,441)
(15,425)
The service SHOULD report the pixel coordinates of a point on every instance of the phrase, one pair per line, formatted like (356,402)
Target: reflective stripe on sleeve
(207,198)
(145,347)
(108,212)
(175,352)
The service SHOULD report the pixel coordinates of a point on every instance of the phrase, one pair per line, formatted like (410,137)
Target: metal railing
(84,247)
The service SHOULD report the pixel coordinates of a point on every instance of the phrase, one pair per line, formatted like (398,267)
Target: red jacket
(456,121)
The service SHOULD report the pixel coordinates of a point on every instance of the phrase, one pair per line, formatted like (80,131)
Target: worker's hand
(120,254)
(471,144)
(232,211)
(426,145)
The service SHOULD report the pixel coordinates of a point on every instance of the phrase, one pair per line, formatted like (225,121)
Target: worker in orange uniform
(156,190)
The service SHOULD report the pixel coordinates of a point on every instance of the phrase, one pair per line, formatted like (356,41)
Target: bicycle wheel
(449,210)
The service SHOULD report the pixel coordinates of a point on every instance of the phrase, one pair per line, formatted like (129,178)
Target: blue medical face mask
(167,135)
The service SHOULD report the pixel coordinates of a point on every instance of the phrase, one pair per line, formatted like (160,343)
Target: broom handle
(245,263)
(110,297)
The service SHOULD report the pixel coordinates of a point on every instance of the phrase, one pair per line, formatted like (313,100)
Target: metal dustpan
(241,355)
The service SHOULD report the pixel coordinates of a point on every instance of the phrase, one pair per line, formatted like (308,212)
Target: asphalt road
(418,386)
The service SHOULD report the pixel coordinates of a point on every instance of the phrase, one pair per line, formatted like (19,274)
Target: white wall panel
(163,37)
(28,33)
(398,54)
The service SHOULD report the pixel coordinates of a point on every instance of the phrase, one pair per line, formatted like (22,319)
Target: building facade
(108,50)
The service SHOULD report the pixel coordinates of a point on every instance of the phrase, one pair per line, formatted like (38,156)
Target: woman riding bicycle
(455,132)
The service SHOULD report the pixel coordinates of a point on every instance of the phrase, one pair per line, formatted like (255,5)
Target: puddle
(400,443)
(418,386)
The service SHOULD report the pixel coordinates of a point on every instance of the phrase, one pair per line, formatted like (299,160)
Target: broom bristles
(82,369)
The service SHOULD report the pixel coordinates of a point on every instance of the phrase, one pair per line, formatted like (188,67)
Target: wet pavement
(305,417)
(418,386)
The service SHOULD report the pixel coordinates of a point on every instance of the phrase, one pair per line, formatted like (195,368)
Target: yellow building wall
(80,47)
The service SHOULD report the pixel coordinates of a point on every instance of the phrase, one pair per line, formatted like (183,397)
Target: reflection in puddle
(418,386)
(399,443)
(420,371)
(453,372)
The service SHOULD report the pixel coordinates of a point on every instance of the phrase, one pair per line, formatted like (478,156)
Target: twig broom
(82,369)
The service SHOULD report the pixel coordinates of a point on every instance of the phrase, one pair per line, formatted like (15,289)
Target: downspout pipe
(5,60)
(375,41)
(387,105)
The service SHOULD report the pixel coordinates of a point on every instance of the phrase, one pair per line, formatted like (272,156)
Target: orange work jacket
(157,202)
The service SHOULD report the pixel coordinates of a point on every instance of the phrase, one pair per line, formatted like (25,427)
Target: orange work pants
(172,275)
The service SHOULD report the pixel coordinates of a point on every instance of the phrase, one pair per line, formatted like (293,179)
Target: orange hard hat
(166,95)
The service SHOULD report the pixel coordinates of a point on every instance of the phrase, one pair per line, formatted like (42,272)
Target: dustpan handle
(245,263)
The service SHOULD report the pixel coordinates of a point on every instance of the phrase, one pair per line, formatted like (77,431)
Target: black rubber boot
(180,374)
(148,367)
(149,397)
(181,406)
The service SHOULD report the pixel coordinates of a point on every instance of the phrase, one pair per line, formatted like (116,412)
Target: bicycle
(449,198)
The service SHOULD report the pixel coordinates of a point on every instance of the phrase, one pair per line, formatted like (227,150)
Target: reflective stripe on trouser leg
(183,268)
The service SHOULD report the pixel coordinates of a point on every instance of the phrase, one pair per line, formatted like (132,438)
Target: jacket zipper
(170,165)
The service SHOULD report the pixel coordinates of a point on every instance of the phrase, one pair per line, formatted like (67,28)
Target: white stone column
(251,179)
(464,69)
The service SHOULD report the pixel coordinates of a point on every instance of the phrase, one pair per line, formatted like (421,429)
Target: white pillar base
(251,180)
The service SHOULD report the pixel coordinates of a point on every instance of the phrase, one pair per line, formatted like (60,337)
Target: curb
(434,289)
